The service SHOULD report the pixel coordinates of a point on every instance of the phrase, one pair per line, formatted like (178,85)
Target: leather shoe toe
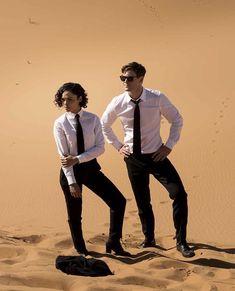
(185,250)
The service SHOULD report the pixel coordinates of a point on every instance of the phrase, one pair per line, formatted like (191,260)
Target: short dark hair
(136,67)
(74,88)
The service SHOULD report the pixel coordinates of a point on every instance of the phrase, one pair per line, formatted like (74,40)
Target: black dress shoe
(117,248)
(185,250)
(148,244)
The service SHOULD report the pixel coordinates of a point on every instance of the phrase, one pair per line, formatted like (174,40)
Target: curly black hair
(74,88)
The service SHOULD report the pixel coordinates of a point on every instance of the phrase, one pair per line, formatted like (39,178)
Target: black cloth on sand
(81,266)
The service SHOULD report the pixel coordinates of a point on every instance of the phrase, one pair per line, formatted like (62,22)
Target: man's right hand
(124,150)
(75,190)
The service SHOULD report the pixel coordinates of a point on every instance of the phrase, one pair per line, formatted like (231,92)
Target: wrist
(77,159)
(120,147)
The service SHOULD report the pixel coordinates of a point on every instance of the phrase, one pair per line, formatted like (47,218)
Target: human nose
(125,80)
(65,102)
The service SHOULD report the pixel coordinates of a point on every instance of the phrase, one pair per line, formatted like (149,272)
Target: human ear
(141,79)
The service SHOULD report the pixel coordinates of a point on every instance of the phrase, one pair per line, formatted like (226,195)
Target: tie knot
(136,101)
(77,116)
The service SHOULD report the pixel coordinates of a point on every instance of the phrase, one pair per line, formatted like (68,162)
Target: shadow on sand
(148,255)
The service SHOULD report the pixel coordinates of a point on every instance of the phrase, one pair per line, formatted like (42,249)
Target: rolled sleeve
(171,113)
(107,120)
(63,150)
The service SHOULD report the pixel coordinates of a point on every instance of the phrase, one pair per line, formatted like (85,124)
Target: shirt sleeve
(62,147)
(98,148)
(107,120)
(170,112)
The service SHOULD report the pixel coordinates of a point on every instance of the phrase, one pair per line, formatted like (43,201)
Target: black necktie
(136,130)
(80,139)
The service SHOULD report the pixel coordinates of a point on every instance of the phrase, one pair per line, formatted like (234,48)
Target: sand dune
(188,48)
(27,262)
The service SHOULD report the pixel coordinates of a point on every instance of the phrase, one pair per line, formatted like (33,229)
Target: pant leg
(138,173)
(109,193)
(74,211)
(167,175)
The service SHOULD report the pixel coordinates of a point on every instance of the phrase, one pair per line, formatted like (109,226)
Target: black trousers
(89,174)
(139,170)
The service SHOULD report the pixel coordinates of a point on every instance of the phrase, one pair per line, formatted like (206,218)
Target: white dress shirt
(153,104)
(66,138)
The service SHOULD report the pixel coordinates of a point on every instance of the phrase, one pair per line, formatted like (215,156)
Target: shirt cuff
(71,180)
(170,144)
(117,145)
(81,159)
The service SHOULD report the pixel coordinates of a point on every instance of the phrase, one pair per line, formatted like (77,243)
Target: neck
(75,112)
(135,94)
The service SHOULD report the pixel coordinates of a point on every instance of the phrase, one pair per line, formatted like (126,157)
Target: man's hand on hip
(124,150)
(161,153)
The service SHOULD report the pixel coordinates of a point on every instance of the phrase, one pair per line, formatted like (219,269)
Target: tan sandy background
(188,49)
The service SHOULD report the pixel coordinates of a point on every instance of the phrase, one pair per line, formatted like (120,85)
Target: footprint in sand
(132,212)
(98,239)
(210,274)
(137,231)
(180,275)
(204,272)
(30,21)
(64,244)
(10,252)
(136,224)
(169,264)
(153,11)
(150,282)
(37,281)
(32,239)
(164,202)
(221,115)
(11,255)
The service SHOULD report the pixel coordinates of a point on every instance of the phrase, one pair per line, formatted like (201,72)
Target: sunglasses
(127,78)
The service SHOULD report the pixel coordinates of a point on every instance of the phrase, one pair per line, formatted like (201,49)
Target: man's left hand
(161,153)
(69,161)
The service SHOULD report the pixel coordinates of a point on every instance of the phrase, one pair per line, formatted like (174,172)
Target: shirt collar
(142,96)
(72,115)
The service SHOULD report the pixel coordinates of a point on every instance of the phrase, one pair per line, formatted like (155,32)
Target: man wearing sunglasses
(140,111)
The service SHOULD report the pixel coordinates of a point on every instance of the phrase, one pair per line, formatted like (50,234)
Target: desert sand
(188,49)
